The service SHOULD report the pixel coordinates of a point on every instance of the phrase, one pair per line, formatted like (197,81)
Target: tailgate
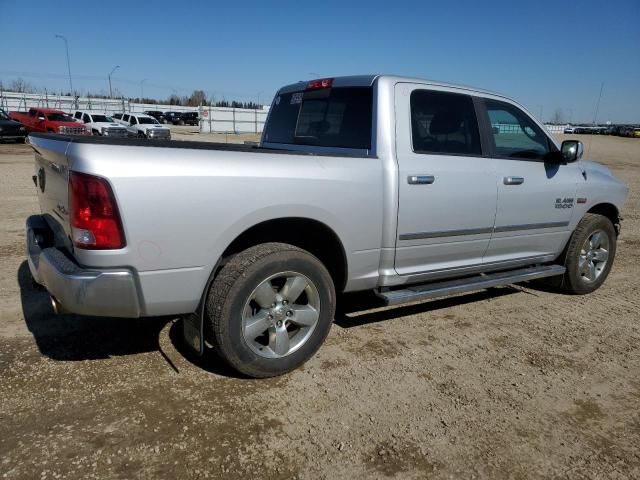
(52,182)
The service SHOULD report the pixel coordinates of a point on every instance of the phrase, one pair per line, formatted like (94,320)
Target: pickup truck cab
(100,124)
(48,120)
(144,126)
(174,118)
(407,187)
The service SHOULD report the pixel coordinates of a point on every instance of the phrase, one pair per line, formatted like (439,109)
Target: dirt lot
(507,383)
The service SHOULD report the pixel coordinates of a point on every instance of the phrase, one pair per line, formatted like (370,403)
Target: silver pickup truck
(411,188)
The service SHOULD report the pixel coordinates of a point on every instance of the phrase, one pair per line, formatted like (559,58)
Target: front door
(535,198)
(447,189)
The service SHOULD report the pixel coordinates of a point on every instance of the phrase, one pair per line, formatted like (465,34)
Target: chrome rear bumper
(105,293)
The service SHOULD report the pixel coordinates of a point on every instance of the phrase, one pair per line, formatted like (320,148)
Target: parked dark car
(157,114)
(117,116)
(10,129)
(190,118)
(173,117)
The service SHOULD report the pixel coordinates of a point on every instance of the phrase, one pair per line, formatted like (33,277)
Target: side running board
(426,291)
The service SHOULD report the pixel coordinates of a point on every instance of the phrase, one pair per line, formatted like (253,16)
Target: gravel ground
(507,383)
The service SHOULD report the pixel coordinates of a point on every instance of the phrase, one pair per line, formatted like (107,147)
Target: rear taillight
(95,220)
(321,83)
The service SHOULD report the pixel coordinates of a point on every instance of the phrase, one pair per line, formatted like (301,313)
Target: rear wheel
(590,254)
(269,309)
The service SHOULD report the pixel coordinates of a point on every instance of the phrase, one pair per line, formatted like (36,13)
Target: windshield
(101,118)
(327,117)
(59,117)
(146,120)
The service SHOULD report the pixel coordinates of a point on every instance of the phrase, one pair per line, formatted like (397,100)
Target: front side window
(133,120)
(514,134)
(148,121)
(86,119)
(444,123)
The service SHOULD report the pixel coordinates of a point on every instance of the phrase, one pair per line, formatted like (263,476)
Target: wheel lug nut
(270,317)
(289,313)
(279,324)
(284,302)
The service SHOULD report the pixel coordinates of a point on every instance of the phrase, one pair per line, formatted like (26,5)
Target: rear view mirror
(572,150)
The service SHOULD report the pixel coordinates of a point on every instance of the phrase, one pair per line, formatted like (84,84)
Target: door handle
(420,179)
(513,180)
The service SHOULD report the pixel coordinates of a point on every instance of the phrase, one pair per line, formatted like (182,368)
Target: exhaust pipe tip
(58,309)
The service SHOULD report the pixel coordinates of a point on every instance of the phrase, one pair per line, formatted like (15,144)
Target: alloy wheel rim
(594,256)
(280,314)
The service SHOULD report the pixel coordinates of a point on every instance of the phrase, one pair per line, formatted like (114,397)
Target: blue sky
(547,54)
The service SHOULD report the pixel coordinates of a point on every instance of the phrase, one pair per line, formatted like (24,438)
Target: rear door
(535,198)
(447,190)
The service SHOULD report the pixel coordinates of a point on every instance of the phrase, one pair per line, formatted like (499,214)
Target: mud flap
(193,331)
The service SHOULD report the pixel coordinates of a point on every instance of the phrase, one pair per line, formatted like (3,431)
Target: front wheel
(269,309)
(590,254)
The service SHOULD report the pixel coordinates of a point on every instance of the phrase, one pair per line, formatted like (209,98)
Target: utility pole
(110,91)
(598,104)
(66,45)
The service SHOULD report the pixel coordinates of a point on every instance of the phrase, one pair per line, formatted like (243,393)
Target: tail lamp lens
(95,220)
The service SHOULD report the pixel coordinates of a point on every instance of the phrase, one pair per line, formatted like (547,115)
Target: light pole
(142,89)
(66,45)
(110,91)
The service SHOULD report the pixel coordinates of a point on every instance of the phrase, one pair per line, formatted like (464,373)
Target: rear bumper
(106,293)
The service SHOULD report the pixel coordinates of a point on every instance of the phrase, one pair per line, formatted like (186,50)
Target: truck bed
(187,144)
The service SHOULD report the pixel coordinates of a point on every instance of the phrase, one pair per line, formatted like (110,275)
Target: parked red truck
(48,120)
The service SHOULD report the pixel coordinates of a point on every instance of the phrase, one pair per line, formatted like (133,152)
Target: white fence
(212,119)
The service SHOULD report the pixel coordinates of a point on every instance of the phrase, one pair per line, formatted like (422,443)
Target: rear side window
(444,123)
(514,134)
(328,117)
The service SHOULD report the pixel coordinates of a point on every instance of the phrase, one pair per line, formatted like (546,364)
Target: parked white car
(144,126)
(100,124)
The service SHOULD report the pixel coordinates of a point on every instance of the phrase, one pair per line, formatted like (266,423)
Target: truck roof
(368,80)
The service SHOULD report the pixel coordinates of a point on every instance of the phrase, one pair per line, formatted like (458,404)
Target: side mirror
(572,150)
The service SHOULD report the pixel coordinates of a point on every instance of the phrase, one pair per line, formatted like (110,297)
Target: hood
(74,124)
(107,124)
(10,123)
(595,167)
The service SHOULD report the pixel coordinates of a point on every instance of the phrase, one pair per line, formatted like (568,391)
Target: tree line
(196,99)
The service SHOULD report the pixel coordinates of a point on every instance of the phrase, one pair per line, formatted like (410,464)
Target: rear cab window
(338,117)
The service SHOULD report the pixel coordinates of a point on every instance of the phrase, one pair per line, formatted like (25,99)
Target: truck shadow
(78,337)
(355,309)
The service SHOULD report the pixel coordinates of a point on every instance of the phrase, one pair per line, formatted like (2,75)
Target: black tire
(141,135)
(574,281)
(229,296)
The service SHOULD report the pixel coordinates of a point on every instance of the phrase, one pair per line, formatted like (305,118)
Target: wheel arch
(610,211)
(309,234)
